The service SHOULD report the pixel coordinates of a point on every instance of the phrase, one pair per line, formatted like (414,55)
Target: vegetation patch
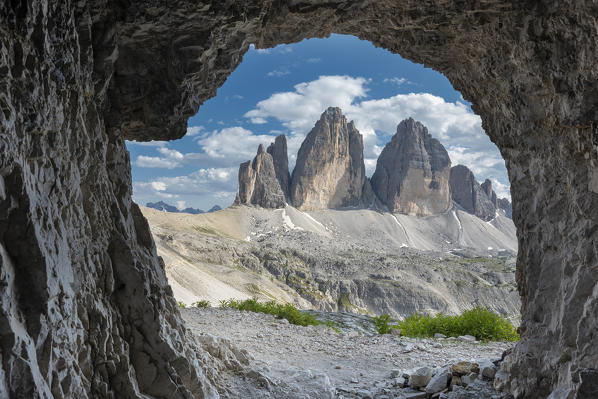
(280,311)
(482,323)
(201,304)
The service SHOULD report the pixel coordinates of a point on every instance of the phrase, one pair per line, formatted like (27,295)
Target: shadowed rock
(467,192)
(280,156)
(412,173)
(258,184)
(330,172)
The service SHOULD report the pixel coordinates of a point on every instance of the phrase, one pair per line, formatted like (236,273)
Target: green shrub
(479,322)
(381,324)
(280,311)
(201,304)
(181,304)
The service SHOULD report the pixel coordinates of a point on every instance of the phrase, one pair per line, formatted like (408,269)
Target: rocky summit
(412,173)
(258,184)
(474,198)
(280,157)
(330,172)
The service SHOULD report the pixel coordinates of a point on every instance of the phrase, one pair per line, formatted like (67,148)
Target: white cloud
(396,81)
(194,130)
(238,97)
(201,182)
(144,161)
(233,144)
(278,72)
(313,60)
(284,49)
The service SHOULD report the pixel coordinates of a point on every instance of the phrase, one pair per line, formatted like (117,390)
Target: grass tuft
(201,304)
(280,311)
(481,323)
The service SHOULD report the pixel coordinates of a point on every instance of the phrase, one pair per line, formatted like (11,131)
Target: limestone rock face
(412,173)
(330,171)
(80,279)
(467,192)
(258,184)
(505,205)
(487,187)
(280,156)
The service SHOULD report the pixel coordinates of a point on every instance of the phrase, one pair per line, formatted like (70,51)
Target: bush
(280,311)
(201,304)
(479,322)
(181,304)
(381,324)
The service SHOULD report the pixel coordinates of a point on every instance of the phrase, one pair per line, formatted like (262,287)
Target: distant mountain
(163,206)
(413,174)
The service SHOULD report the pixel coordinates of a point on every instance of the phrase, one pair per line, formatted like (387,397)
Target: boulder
(330,171)
(421,377)
(439,382)
(464,368)
(412,172)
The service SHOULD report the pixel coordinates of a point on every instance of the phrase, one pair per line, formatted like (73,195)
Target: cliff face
(258,183)
(330,172)
(412,172)
(467,192)
(280,156)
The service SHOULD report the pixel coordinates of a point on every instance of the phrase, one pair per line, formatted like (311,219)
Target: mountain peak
(412,172)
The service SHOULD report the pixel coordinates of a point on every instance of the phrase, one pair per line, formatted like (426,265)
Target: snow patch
(288,222)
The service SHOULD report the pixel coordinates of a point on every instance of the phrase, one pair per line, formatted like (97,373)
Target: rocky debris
(412,172)
(466,338)
(258,183)
(330,268)
(353,366)
(467,192)
(330,171)
(280,156)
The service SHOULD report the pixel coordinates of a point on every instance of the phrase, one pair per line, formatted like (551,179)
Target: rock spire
(412,173)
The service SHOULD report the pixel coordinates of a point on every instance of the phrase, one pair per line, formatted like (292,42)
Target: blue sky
(284,90)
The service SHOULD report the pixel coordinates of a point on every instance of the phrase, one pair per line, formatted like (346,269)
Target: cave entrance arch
(98,74)
(507,60)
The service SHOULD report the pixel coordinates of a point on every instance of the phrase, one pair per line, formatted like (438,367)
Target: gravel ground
(351,364)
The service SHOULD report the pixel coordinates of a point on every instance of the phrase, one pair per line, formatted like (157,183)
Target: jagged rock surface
(79,78)
(330,171)
(258,184)
(506,206)
(280,156)
(467,192)
(412,172)
(487,187)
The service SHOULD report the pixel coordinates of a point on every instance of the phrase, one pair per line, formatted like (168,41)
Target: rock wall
(330,171)
(258,183)
(84,306)
(280,156)
(412,172)
(467,192)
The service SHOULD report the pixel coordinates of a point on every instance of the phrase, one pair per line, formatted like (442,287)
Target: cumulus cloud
(313,60)
(233,143)
(194,130)
(153,143)
(208,181)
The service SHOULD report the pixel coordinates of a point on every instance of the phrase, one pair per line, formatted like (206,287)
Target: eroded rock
(467,192)
(412,172)
(258,182)
(330,171)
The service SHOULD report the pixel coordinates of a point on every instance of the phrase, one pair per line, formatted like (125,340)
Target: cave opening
(100,74)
